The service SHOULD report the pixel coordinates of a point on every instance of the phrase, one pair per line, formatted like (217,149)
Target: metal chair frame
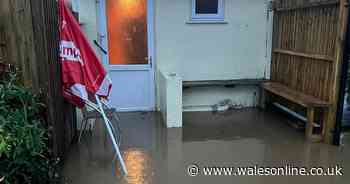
(115,134)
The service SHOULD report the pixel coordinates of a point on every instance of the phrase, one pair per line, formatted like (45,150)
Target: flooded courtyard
(241,138)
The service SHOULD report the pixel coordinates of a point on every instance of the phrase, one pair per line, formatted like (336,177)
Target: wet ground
(154,154)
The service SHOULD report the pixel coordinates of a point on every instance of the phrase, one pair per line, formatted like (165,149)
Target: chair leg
(82,128)
(118,130)
(91,126)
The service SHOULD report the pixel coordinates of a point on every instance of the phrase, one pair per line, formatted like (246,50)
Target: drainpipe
(342,88)
(269,33)
(290,112)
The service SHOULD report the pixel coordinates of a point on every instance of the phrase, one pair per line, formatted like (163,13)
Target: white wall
(170,99)
(87,19)
(236,50)
(203,98)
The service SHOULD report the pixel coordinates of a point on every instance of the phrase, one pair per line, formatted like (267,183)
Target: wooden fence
(308,38)
(31,43)
(2,45)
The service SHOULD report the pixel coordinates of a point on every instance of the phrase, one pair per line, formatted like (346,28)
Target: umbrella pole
(114,142)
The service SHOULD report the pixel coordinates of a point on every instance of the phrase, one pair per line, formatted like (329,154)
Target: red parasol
(82,72)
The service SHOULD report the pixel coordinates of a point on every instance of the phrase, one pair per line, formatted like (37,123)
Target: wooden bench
(307,101)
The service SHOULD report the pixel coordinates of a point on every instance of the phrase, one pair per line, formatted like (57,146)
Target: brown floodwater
(241,138)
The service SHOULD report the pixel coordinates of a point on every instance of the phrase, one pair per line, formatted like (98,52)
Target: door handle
(150,61)
(100,47)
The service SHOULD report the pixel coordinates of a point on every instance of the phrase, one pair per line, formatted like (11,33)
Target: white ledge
(206,22)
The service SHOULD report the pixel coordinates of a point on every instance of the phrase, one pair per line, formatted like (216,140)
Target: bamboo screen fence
(308,38)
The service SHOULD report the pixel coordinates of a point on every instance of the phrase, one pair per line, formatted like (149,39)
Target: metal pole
(110,132)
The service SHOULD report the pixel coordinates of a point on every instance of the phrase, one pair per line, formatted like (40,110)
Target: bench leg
(324,121)
(309,126)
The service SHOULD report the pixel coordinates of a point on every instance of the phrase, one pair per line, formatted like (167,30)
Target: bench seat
(307,101)
(293,95)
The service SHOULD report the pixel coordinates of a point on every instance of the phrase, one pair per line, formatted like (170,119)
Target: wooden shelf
(206,83)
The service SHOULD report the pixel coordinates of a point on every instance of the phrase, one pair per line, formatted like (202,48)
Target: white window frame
(220,16)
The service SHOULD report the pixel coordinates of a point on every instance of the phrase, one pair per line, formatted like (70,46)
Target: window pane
(127,32)
(207,6)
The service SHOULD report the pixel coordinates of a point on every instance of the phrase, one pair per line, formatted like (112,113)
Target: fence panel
(30,29)
(307,47)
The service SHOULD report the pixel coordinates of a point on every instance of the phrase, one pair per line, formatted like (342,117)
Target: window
(208,10)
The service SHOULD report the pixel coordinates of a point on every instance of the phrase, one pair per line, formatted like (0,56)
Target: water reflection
(139,165)
(154,154)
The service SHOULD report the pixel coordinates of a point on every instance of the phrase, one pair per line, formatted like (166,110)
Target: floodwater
(242,138)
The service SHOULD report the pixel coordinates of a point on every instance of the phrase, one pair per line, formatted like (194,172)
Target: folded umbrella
(82,72)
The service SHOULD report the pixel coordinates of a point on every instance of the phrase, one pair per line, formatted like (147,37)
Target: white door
(125,30)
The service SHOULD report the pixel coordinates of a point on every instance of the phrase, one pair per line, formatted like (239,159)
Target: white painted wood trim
(103,40)
(206,17)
